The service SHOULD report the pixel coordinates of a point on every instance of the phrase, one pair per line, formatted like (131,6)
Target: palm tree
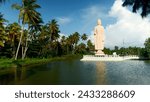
(90,45)
(76,38)
(3,35)
(137,4)
(84,37)
(28,15)
(14,32)
(54,30)
(2,1)
(147,46)
(43,39)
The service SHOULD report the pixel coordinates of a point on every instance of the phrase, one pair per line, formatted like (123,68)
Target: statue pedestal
(99,52)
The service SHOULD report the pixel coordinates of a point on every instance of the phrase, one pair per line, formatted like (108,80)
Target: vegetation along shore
(32,41)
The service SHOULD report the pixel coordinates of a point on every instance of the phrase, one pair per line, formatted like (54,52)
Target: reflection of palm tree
(23,73)
(101,73)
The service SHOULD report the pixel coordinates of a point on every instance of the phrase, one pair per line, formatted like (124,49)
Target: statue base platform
(99,53)
(108,58)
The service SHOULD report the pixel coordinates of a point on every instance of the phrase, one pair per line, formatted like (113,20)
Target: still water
(75,72)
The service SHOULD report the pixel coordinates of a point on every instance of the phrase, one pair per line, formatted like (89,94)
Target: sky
(121,25)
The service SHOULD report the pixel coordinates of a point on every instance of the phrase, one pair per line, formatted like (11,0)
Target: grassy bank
(8,63)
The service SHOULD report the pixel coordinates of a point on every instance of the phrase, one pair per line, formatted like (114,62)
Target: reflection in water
(101,73)
(7,75)
(79,73)
(12,75)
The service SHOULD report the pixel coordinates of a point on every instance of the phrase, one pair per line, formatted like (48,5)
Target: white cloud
(61,35)
(94,12)
(91,37)
(63,20)
(91,14)
(129,27)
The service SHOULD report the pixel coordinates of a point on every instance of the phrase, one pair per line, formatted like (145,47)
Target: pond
(75,72)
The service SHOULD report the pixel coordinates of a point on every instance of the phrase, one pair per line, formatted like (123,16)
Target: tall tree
(2,1)
(28,16)
(54,30)
(137,4)
(147,46)
(3,35)
(14,32)
(74,39)
(84,37)
(90,45)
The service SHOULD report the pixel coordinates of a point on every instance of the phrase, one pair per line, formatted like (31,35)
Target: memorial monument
(99,38)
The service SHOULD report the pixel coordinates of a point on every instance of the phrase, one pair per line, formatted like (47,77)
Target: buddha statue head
(99,22)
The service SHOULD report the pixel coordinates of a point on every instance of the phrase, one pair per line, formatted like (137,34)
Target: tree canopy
(144,5)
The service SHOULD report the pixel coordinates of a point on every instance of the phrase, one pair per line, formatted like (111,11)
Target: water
(75,72)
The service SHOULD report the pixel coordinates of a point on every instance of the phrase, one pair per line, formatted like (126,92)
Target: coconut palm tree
(76,38)
(137,4)
(54,30)
(1,1)
(84,37)
(90,45)
(73,40)
(28,16)
(14,32)
(3,35)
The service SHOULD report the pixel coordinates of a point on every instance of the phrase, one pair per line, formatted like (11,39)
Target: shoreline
(9,63)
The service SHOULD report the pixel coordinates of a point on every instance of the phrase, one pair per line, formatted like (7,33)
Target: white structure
(107,58)
(99,38)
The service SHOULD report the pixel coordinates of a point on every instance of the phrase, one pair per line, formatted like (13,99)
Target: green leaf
(16,6)
(1,44)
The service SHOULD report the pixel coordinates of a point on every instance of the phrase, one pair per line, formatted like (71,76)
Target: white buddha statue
(99,38)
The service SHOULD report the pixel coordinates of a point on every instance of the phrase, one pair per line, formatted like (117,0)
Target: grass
(8,63)
(5,63)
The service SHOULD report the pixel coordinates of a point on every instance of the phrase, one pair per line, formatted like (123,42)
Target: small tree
(147,46)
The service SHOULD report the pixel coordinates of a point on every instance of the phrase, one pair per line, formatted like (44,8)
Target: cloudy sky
(120,24)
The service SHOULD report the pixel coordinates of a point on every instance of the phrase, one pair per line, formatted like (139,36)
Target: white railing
(130,56)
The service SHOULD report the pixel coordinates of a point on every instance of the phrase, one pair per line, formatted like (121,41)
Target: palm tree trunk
(19,42)
(13,47)
(67,49)
(26,45)
(24,54)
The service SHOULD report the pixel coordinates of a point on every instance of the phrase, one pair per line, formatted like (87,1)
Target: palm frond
(16,6)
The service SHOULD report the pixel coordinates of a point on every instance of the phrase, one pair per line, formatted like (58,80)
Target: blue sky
(81,15)
(70,14)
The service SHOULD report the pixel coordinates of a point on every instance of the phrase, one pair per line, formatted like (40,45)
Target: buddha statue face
(99,22)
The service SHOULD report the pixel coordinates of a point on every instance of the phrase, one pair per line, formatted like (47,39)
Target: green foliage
(84,37)
(147,46)
(2,1)
(3,35)
(90,46)
(53,28)
(28,15)
(44,41)
(108,51)
(144,5)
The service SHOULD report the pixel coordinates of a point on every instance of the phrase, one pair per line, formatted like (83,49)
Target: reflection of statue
(101,73)
(99,38)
